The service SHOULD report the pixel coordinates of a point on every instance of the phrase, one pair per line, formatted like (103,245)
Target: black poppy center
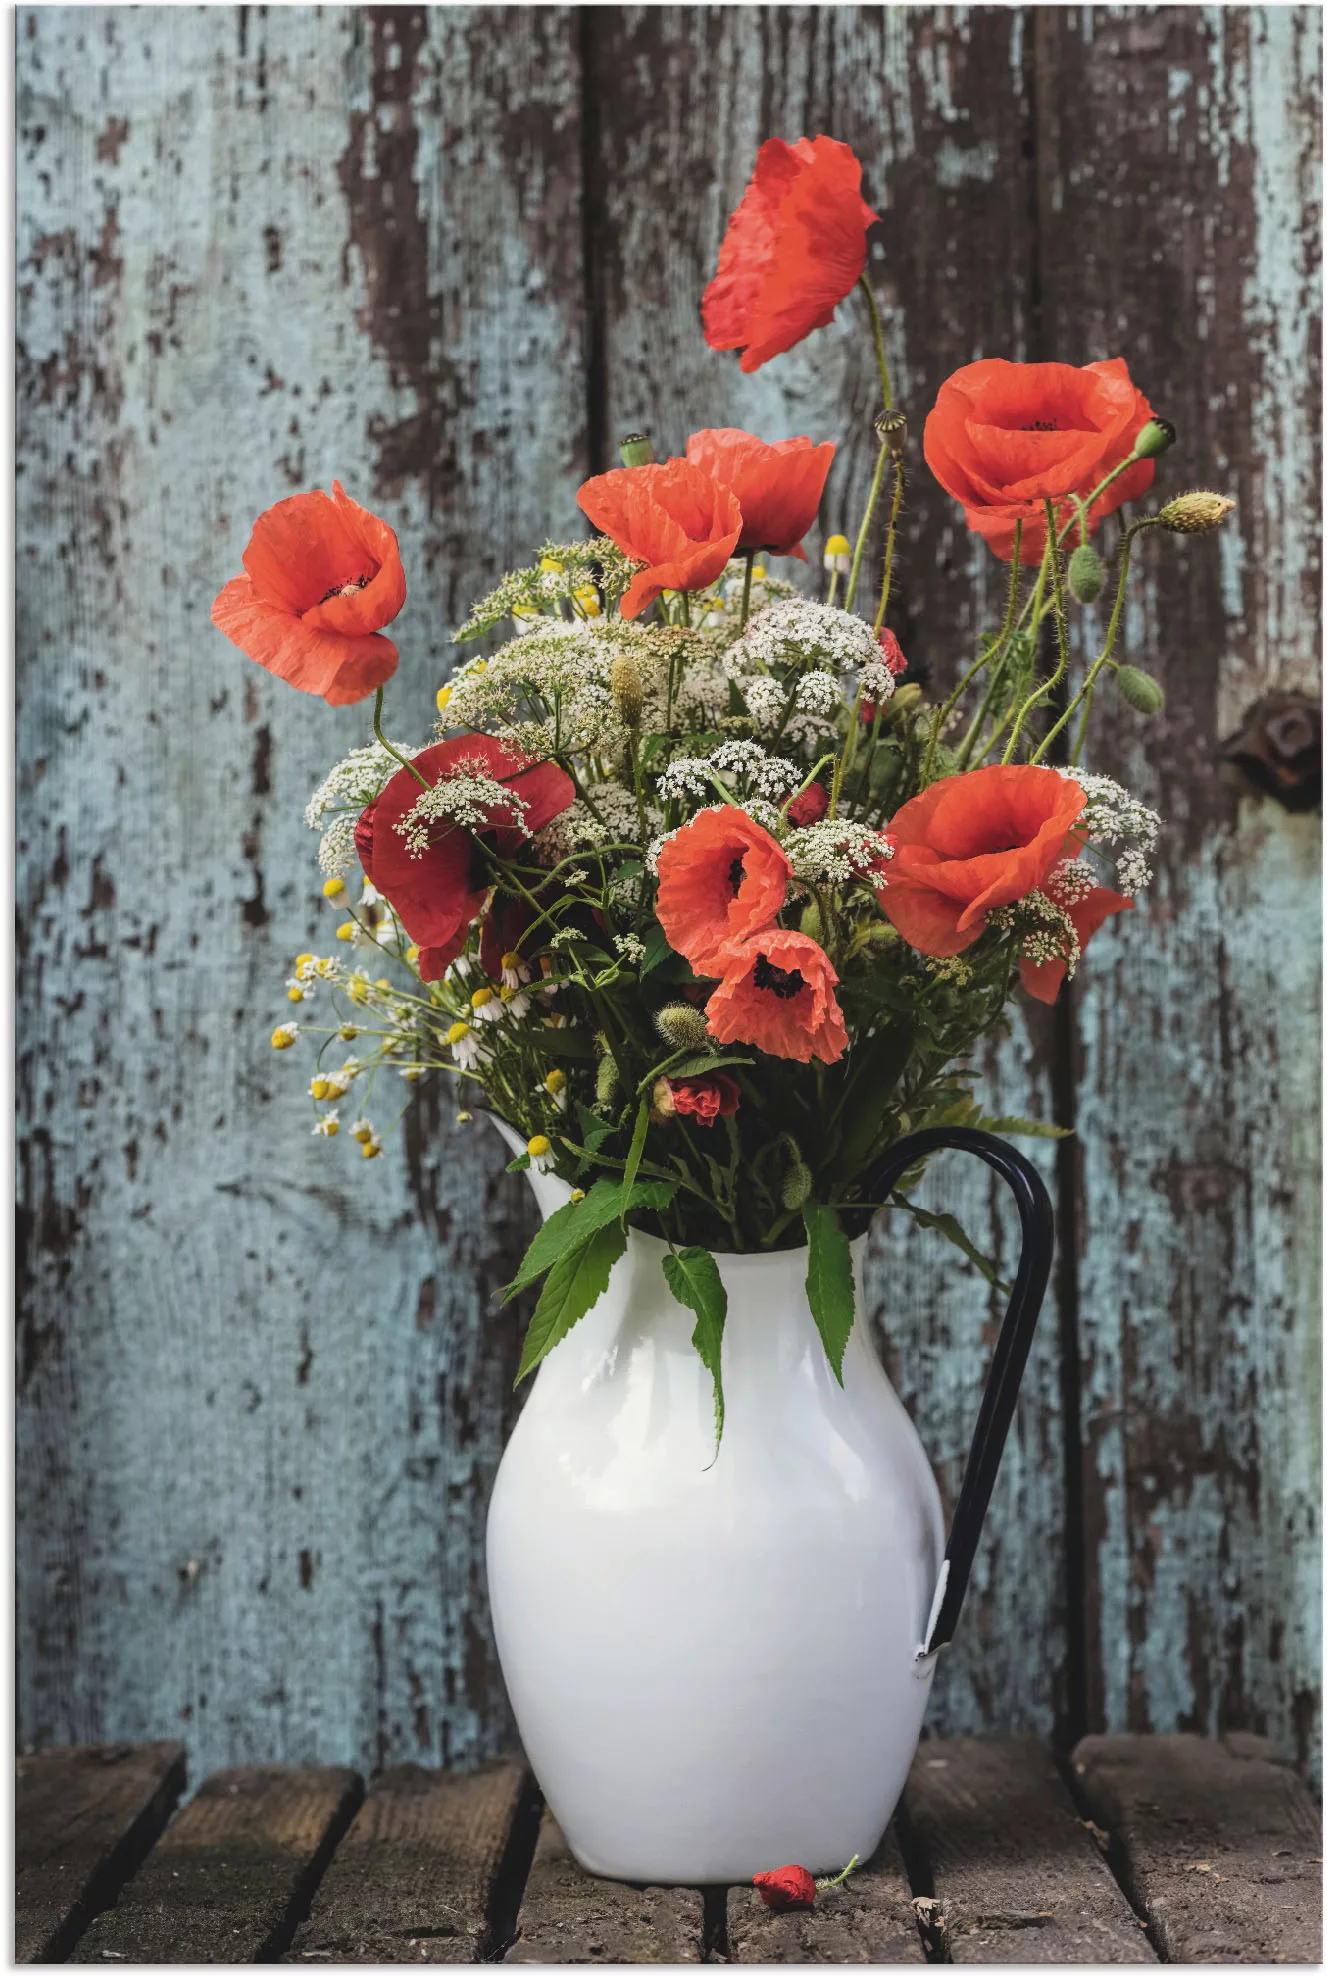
(345,589)
(1042,425)
(785,982)
(736,873)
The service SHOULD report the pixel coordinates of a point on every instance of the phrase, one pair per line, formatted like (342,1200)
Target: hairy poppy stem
(878,334)
(382,738)
(1083,698)
(990,657)
(1048,686)
(864,530)
(889,542)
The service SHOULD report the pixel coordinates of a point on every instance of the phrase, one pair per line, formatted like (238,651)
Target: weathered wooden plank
(419,1875)
(257,249)
(1014,1872)
(231,1876)
(1179,191)
(869,1918)
(934,102)
(567,1915)
(1219,1844)
(83,1818)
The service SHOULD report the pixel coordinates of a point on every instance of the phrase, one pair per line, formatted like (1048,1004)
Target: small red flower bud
(786,1886)
(810,806)
(892,651)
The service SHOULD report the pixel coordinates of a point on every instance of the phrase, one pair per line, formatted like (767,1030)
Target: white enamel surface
(712,1661)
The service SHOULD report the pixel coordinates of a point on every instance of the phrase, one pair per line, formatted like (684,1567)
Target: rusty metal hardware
(1279,749)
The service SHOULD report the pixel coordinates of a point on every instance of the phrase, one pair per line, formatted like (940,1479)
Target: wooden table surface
(1147,1848)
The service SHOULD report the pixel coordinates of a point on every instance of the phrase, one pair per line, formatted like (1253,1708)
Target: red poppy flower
(778,487)
(972,842)
(1005,438)
(322,575)
(891,652)
(777,992)
(672,517)
(439,894)
(720,876)
(794,248)
(704,1098)
(810,806)
(786,1886)
(1043,979)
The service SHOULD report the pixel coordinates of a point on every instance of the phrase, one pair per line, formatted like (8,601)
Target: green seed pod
(682,1027)
(1087,574)
(627,688)
(637,450)
(797,1180)
(892,428)
(1139,690)
(1156,436)
(606,1081)
(903,702)
(1197,513)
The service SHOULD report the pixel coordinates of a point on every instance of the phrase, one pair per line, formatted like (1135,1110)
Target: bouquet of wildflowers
(708,899)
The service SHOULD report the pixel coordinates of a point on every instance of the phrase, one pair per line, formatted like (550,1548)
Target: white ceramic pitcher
(720,1664)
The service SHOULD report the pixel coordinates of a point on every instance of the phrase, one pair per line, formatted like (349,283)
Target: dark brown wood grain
(229,1879)
(83,1818)
(567,1915)
(1016,1875)
(418,1877)
(1218,1843)
(871,1917)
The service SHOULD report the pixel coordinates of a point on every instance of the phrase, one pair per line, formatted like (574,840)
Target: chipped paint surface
(262,1390)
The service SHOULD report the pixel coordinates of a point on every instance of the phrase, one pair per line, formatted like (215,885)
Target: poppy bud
(786,1886)
(905,699)
(1156,437)
(838,554)
(796,1189)
(1139,690)
(1197,513)
(662,1106)
(636,450)
(627,688)
(682,1027)
(810,806)
(892,430)
(1087,574)
(605,1082)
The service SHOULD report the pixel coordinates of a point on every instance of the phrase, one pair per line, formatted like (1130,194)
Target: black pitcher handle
(1037,1227)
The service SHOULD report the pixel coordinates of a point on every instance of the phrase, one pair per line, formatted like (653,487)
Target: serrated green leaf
(570,1043)
(635,1153)
(953,1231)
(829,1285)
(575,1284)
(1024,1128)
(694,1279)
(700,1066)
(657,949)
(572,1225)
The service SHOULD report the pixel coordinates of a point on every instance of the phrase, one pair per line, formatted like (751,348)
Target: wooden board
(422,1875)
(258,249)
(230,1877)
(1218,1843)
(871,1917)
(83,1818)
(570,1916)
(1015,1873)
(1178,193)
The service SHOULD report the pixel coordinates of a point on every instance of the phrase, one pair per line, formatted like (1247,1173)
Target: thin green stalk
(1047,686)
(878,335)
(384,742)
(746,587)
(865,528)
(889,542)
(1112,630)
(983,659)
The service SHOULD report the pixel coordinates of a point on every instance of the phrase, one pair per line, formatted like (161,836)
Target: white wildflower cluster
(836,851)
(765,700)
(336,803)
(876,683)
(1117,821)
(744,766)
(798,633)
(630,946)
(1070,881)
(1044,929)
(548,688)
(578,828)
(686,775)
(819,693)
(467,796)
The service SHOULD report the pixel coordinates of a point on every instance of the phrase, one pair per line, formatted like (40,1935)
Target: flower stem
(1083,698)
(878,335)
(993,658)
(1061,637)
(889,542)
(865,528)
(746,587)
(384,742)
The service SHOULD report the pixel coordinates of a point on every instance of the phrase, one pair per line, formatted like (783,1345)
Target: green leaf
(702,1066)
(1024,1128)
(829,1280)
(635,1153)
(953,1231)
(576,1281)
(569,1043)
(572,1225)
(694,1279)
(657,949)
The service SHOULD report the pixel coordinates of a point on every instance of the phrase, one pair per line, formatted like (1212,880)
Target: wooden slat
(870,1918)
(231,1876)
(1016,1875)
(418,1877)
(1218,1844)
(569,1916)
(83,1819)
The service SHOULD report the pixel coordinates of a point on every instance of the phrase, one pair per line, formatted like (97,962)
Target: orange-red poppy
(778,487)
(794,248)
(1005,438)
(673,518)
(322,576)
(973,842)
(1043,979)
(704,1098)
(720,876)
(440,893)
(777,991)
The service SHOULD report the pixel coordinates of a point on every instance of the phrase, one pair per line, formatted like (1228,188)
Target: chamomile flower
(486,1005)
(540,1150)
(467,1049)
(515,1002)
(555,1087)
(515,970)
(328,1126)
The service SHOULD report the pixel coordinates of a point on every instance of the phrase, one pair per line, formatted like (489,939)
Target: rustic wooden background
(449,256)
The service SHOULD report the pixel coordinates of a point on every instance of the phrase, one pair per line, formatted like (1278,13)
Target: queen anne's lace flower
(336,803)
(835,851)
(468,797)
(1115,820)
(798,633)
(819,693)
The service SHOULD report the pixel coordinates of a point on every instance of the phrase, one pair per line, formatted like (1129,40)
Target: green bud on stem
(1139,690)
(1157,436)
(682,1027)
(1197,513)
(1087,574)
(637,450)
